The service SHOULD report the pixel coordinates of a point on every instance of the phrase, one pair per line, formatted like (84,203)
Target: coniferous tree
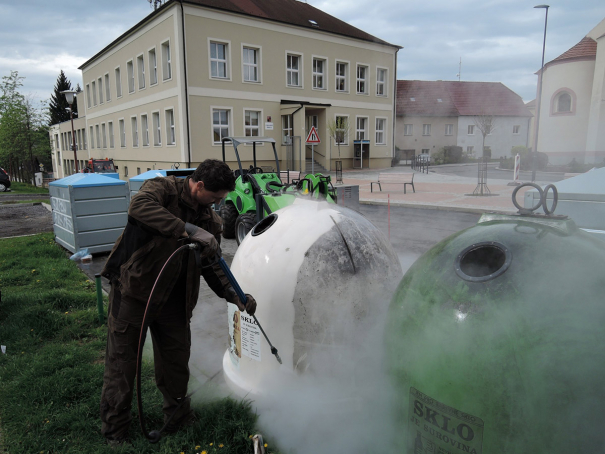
(58,106)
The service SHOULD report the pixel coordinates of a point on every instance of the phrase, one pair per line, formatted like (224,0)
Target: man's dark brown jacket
(156,223)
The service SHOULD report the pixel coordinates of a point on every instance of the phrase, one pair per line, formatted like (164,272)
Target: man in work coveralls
(159,217)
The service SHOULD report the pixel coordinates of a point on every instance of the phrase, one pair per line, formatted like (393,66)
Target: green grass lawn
(24,188)
(52,372)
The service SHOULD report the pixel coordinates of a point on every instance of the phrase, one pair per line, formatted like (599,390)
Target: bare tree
(339,130)
(486,124)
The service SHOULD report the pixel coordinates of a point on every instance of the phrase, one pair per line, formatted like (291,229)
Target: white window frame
(84,138)
(426,129)
(110,132)
(384,83)
(470,130)
(130,76)
(170,127)
(259,128)
(345,78)
(117,71)
(227,60)
(134,125)
(288,127)
(229,123)
(323,75)
(470,149)
(258,64)
(449,129)
(144,130)
(299,71)
(141,79)
(122,132)
(107,88)
(104,134)
(516,130)
(408,129)
(98,136)
(100,86)
(92,137)
(166,60)
(383,131)
(365,130)
(88,99)
(338,115)
(79,139)
(365,80)
(153,68)
(93,86)
(157,128)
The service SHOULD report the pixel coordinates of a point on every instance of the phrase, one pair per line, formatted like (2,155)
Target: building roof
(457,99)
(585,49)
(291,12)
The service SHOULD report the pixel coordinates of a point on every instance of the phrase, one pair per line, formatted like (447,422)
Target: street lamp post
(539,100)
(69,97)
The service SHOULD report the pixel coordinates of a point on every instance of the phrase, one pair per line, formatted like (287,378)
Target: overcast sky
(498,40)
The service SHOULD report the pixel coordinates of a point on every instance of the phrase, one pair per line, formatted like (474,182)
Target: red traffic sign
(313,137)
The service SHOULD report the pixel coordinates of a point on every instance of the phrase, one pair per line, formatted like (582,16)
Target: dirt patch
(17,220)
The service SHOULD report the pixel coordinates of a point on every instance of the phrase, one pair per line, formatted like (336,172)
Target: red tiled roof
(585,48)
(458,98)
(291,12)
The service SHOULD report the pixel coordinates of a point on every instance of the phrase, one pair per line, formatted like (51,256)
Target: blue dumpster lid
(183,173)
(84,180)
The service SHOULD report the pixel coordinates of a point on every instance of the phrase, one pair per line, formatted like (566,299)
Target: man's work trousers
(171,336)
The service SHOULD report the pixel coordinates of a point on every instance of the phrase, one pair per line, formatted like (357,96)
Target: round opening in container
(483,261)
(263,225)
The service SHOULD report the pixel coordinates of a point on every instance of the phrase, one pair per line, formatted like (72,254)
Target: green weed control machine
(496,340)
(258,193)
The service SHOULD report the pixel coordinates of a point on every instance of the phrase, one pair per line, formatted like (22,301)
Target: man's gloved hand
(207,241)
(232,297)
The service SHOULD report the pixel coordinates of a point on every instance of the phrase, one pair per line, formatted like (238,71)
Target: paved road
(466,170)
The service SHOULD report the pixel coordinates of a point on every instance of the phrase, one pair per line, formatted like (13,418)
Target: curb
(435,207)
(11,205)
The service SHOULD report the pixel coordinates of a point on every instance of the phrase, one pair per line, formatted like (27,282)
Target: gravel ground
(17,220)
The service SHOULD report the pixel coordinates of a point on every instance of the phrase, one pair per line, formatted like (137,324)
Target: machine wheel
(3,187)
(229,214)
(243,225)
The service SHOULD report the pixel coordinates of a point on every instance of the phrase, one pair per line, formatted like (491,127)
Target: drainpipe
(394,109)
(186,87)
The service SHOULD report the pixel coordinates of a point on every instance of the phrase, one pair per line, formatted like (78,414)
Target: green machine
(496,341)
(259,193)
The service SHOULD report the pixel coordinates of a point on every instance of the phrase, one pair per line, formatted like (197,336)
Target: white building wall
(501,140)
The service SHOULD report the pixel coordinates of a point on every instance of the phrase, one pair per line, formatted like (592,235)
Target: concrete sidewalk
(434,190)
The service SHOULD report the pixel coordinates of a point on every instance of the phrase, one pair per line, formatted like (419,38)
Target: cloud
(498,40)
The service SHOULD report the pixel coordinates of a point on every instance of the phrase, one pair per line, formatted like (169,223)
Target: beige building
(62,147)
(572,117)
(170,88)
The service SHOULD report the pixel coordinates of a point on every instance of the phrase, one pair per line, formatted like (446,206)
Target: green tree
(58,106)
(24,141)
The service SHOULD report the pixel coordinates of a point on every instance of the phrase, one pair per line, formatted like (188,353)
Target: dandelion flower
(33,271)
(66,312)
(204,452)
(266,445)
(211,444)
(221,445)
(197,447)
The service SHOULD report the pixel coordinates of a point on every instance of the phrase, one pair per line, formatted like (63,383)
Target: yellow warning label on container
(436,428)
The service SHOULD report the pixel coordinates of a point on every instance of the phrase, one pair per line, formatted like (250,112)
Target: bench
(394,178)
(286,176)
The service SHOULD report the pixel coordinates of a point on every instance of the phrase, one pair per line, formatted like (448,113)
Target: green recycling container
(496,341)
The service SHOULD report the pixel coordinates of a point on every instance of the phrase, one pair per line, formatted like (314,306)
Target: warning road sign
(313,137)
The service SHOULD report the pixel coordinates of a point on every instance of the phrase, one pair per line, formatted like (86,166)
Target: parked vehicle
(5,182)
(259,193)
(99,166)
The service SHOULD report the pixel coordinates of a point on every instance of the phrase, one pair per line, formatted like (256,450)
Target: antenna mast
(156,3)
(459,69)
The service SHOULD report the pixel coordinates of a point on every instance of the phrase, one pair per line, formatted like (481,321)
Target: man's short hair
(216,175)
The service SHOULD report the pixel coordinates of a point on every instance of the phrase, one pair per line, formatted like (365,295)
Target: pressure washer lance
(243,299)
